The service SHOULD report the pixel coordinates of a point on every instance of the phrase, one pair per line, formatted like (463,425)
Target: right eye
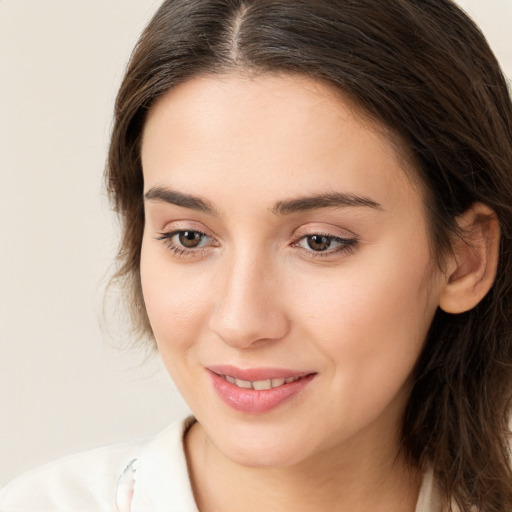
(185,241)
(190,239)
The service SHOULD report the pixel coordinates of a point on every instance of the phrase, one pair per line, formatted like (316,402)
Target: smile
(258,390)
(259,385)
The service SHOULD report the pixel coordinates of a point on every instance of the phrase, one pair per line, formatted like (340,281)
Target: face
(285,266)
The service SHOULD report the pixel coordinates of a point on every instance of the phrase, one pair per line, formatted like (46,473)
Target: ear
(471,268)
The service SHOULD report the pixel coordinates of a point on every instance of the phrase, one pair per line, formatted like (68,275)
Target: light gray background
(63,387)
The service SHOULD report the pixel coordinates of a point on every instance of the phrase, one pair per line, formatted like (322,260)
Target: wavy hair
(424,70)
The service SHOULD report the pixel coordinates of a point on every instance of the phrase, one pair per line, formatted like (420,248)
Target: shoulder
(87,481)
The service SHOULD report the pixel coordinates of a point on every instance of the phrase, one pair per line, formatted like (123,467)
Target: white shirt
(144,476)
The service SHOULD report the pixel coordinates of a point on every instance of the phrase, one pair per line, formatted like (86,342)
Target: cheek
(175,299)
(371,322)
(392,300)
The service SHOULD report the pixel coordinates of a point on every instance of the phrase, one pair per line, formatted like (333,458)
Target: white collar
(159,478)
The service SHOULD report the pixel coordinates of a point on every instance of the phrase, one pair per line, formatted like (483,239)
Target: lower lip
(253,401)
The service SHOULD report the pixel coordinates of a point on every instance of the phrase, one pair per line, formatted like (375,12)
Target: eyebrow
(329,200)
(179,199)
(285,207)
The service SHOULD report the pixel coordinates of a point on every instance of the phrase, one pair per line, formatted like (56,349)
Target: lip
(256,373)
(251,401)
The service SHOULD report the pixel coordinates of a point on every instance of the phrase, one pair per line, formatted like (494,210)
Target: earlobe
(471,268)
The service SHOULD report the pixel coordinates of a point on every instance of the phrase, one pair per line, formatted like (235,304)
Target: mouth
(258,390)
(259,385)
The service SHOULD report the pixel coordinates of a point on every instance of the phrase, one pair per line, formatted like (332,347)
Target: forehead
(272,134)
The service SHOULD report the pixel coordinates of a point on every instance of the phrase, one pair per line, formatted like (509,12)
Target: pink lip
(257,401)
(256,373)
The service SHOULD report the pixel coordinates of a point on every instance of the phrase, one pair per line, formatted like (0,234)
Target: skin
(254,293)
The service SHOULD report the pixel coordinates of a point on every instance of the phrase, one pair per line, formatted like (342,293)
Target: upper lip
(255,374)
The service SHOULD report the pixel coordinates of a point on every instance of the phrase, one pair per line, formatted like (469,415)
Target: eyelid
(186,225)
(172,229)
(347,241)
(181,251)
(324,229)
(169,235)
(344,245)
(342,239)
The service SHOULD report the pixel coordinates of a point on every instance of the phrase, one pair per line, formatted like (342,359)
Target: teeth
(259,385)
(247,384)
(262,384)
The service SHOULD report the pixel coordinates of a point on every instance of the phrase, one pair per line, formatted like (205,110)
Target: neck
(358,478)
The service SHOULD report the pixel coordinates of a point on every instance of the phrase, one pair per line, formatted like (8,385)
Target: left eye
(324,243)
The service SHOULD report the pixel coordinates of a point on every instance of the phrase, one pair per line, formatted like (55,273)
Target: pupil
(318,242)
(190,238)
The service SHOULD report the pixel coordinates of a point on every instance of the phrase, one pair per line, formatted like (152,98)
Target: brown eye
(319,242)
(190,239)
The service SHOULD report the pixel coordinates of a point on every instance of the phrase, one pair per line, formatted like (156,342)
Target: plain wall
(63,387)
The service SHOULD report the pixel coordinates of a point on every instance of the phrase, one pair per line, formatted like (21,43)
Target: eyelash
(179,250)
(347,245)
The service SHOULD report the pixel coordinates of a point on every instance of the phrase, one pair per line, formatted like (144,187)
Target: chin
(260,449)
(261,457)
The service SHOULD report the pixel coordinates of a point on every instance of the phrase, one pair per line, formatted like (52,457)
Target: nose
(249,309)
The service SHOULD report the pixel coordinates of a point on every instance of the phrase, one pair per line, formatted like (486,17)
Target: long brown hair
(423,69)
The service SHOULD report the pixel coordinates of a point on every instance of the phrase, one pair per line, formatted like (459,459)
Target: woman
(317,211)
